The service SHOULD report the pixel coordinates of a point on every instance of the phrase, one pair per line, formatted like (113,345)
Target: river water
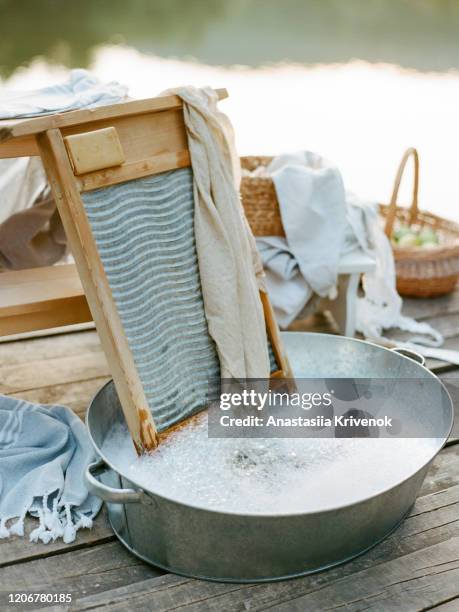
(357,82)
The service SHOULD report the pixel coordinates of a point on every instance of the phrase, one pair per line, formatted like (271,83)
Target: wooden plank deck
(416,568)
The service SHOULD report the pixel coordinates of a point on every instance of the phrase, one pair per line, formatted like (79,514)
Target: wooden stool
(343,309)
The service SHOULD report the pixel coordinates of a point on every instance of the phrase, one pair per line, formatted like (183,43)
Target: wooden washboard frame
(152,139)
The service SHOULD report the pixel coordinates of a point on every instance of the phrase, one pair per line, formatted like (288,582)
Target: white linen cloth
(82,90)
(44,451)
(381,306)
(224,242)
(23,180)
(310,192)
(322,222)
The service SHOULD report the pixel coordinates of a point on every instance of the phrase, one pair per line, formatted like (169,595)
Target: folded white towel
(224,241)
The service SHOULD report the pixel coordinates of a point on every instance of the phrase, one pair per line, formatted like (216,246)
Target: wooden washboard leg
(97,290)
(285,370)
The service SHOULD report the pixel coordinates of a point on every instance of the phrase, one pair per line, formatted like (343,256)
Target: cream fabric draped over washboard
(225,246)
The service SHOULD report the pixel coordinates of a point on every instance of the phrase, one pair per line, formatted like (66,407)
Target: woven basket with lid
(420,272)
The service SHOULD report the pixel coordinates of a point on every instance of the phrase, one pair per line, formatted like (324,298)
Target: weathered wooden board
(425,520)
(75,395)
(414,582)
(444,472)
(48,332)
(80,572)
(41,298)
(36,374)
(433,521)
(365,578)
(450,606)
(39,349)
(438,366)
(415,568)
(16,550)
(432,307)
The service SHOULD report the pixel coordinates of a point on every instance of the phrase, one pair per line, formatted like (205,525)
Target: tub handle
(407,352)
(109,494)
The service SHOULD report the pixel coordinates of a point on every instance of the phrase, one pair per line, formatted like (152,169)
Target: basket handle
(390,219)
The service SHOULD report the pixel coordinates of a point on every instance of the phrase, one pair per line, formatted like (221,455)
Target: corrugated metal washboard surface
(145,236)
(144,230)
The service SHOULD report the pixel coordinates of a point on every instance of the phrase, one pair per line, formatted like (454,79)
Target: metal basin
(232,547)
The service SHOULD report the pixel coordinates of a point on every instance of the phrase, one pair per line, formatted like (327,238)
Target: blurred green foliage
(420,34)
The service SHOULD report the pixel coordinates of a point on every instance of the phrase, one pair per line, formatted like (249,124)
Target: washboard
(123,184)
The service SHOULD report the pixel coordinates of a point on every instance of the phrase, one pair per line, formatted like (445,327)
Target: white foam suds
(267,475)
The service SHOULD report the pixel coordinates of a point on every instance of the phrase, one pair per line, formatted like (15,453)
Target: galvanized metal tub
(231,547)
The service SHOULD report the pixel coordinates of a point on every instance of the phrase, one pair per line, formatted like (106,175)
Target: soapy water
(267,476)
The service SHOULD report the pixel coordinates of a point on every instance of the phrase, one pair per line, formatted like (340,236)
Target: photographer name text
(320,421)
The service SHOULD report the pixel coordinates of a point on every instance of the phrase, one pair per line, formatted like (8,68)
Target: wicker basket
(420,272)
(259,199)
